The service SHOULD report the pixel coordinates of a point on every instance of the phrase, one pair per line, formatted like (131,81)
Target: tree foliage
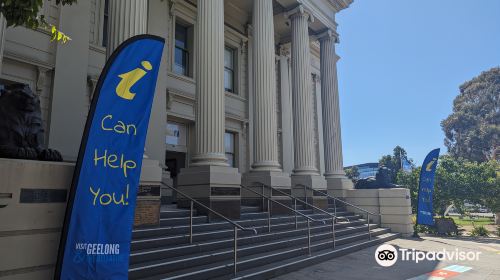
(472,130)
(27,13)
(352,173)
(458,181)
(394,162)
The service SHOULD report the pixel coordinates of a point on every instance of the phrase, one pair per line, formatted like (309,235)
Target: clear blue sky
(401,64)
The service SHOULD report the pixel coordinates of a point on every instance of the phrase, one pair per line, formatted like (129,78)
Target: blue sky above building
(400,68)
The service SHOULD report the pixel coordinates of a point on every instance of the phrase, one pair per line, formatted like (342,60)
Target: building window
(229,148)
(105,20)
(229,67)
(181,64)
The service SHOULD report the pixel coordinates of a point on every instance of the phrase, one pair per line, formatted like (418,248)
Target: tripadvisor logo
(387,255)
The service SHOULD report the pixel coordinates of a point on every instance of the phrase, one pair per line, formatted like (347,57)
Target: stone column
(265,168)
(127,18)
(209,64)
(3,24)
(334,169)
(209,178)
(305,172)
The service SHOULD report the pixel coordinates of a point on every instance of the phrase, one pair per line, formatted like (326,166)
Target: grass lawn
(466,221)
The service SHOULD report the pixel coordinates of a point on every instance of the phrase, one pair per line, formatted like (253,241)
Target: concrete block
(339,183)
(396,219)
(29,174)
(150,171)
(363,201)
(29,232)
(269,178)
(395,210)
(38,273)
(312,181)
(213,175)
(29,250)
(405,229)
(396,192)
(373,209)
(362,193)
(393,201)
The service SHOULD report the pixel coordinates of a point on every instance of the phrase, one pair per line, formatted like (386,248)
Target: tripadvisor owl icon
(386,255)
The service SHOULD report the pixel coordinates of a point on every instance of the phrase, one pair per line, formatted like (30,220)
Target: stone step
(165,240)
(169,251)
(220,264)
(279,268)
(176,213)
(181,225)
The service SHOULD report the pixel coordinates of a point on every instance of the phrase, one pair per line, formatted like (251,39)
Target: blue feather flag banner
(95,241)
(425,212)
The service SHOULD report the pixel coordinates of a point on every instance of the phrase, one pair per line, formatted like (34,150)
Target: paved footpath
(362,265)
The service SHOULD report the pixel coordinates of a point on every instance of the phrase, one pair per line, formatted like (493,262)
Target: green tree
(27,13)
(472,129)
(394,162)
(410,180)
(352,173)
(458,181)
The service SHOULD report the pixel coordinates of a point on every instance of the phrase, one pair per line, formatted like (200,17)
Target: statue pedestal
(393,205)
(33,197)
(33,200)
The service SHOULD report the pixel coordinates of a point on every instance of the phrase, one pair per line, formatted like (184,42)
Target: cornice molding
(340,4)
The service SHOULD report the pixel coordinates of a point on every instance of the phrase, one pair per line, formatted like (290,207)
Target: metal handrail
(235,225)
(333,216)
(309,219)
(368,213)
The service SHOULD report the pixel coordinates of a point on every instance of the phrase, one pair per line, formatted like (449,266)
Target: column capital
(327,35)
(284,50)
(173,8)
(299,11)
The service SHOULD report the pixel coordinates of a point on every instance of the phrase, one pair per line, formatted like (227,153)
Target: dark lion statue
(380,181)
(21,129)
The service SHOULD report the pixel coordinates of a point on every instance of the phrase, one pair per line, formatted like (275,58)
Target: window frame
(232,70)
(105,22)
(185,50)
(234,153)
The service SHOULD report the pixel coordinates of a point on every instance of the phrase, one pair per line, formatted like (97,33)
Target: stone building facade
(247,92)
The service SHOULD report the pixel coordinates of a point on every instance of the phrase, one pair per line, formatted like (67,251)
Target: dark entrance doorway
(174,162)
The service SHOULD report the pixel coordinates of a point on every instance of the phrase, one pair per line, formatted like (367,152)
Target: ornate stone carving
(41,76)
(21,129)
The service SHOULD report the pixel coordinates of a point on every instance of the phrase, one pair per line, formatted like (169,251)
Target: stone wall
(30,231)
(393,205)
(33,198)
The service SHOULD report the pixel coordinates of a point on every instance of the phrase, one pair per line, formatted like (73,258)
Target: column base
(278,180)
(316,182)
(218,187)
(337,185)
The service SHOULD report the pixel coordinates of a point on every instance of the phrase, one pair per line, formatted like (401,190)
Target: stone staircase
(164,252)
